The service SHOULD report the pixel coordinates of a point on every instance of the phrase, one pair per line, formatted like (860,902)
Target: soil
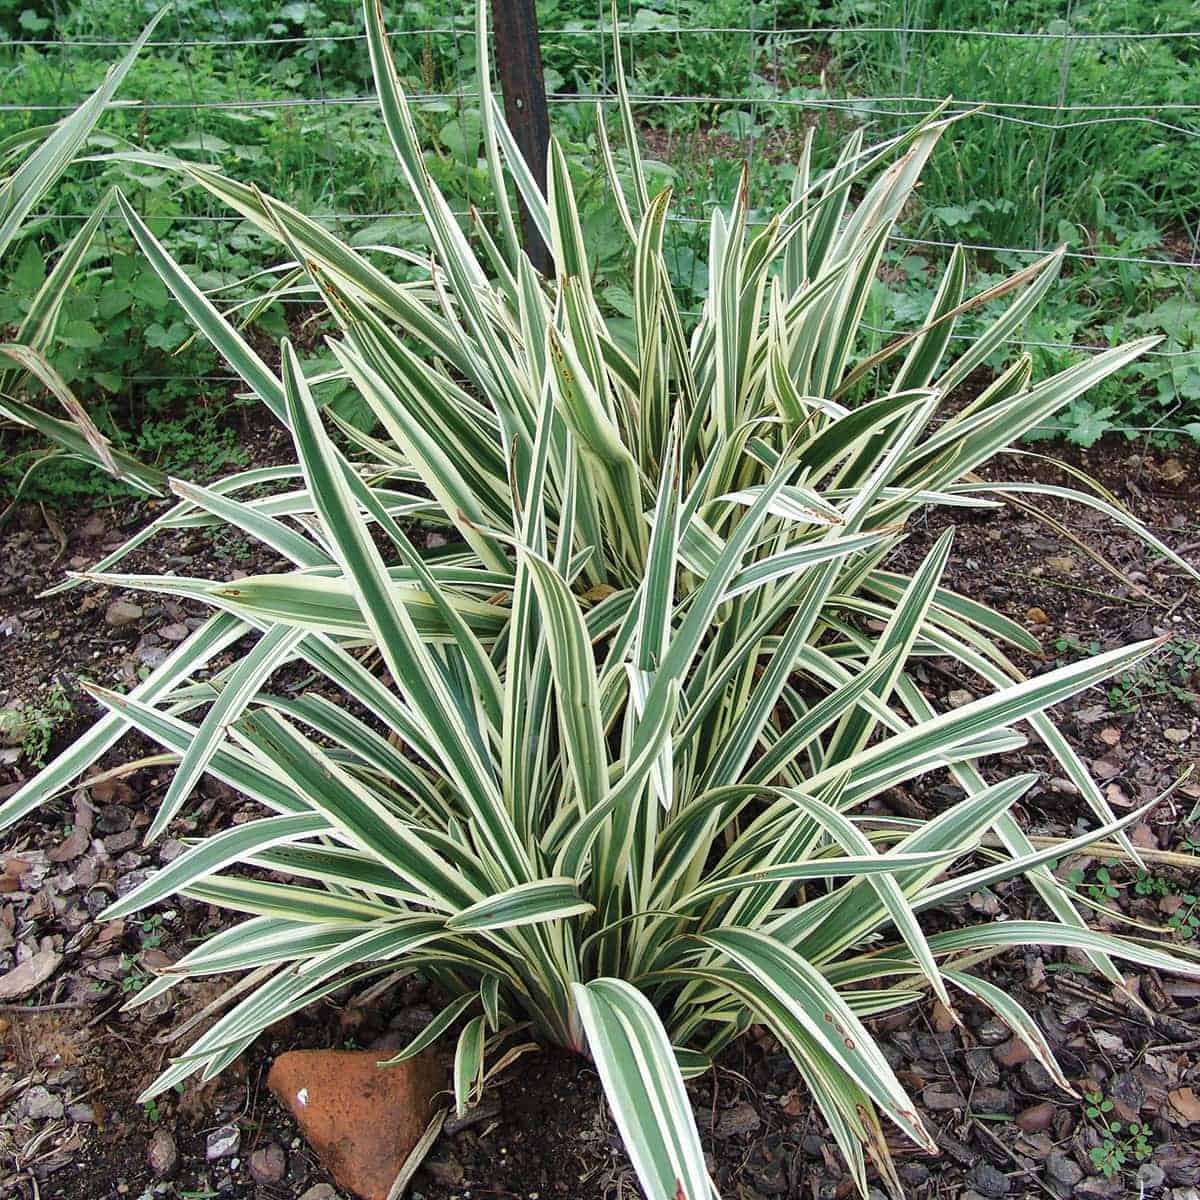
(543,1130)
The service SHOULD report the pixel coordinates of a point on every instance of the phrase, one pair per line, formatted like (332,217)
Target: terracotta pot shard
(362,1120)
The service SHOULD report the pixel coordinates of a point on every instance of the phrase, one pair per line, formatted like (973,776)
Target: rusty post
(518,55)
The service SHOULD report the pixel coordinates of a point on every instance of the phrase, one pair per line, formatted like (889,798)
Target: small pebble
(268,1164)
(320,1191)
(1151,1175)
(1037,1118)
(223,1143)
(39,1104)
(988,1180)
(122,612)
(1063,1171)
(161,1155)
(1012,1053)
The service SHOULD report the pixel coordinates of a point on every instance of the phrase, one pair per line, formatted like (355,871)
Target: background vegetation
(1092,141)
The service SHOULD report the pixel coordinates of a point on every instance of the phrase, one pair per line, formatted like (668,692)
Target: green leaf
(643,1084)
(468,1065)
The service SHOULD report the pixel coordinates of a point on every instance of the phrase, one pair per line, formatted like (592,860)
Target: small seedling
(1070,649)
(134,978)
(1151,885)
(1185,920)
(1119,1142)
(33,724)
(1100,889)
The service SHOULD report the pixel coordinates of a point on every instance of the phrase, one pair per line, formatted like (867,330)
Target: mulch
(72,1062)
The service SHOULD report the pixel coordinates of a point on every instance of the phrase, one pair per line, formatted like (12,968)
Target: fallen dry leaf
(1172,471)
(24,977)
(1183,1107)
(80,837)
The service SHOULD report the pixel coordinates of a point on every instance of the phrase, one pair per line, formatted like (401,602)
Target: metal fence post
(519,66)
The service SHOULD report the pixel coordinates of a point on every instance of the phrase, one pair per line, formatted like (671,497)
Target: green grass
(1111,189)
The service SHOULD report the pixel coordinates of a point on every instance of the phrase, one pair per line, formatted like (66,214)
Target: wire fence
(771,48)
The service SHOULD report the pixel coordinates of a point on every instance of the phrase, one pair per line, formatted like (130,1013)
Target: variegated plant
(604,762)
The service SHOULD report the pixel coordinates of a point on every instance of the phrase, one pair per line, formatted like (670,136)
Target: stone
(268,1164)
(82,1114)
(992,1100)
(1150,1176)
(1096,1188)
(114,818)
(1037,1118)
(170,850)
(320,1191)
(223,1143)
(161,1155)
(1012,1053)
(1179,1163)
(1065,1173)
(360,1119)
(1036,1078)
(982,1069)
(737,1121)
(175,632)
(121,613)
(993,1031)
(39,1104)
(988,1180)
(939,1097)
(959,697)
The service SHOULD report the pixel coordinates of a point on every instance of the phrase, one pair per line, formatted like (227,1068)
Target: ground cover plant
(42,318)
(1004,184)
(604,758)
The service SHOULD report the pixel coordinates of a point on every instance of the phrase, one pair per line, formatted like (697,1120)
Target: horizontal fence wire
(633,31)
(866,109)
(858,104)
(342,218)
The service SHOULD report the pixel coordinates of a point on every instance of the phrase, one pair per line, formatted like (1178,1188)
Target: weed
(1100,888)
(1174,673)
(230,545)
(1185,920)
(1119,1142)
(1070,649)
(1145,884)
(31,726)
(1005,184)
(134,977)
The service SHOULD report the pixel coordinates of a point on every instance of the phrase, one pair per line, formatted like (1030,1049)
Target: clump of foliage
(273,84)
(32,725)
(1117,1142)
(31,162)
(604,758)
